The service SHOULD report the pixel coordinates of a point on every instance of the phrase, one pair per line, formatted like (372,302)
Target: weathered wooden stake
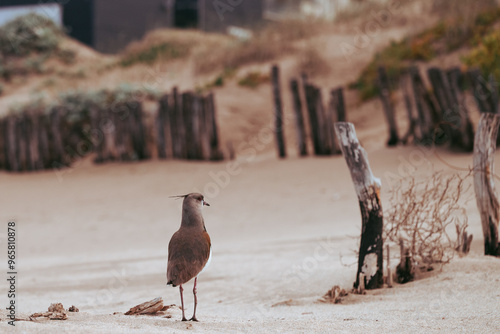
(160,127)
(385,97)
(389,271)
(278,112)
(424,114)
(311,98)
(484,181)
(370,261)
(483,91)
(463,124)
(299,118)
(412,121)
(215,151)
(337,98)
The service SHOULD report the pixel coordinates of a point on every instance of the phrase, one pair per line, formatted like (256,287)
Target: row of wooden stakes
(321,119)
(185,127)
(441,116)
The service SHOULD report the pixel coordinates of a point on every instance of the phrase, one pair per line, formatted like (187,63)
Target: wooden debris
(150,307)
(335,295)
(55,312)
(73,308)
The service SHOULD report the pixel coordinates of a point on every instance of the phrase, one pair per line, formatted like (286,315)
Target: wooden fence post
(412,121)
(325,129)
(385,97)
(483,92)
(278,112)
(299,118)
(311,98)
(465,138)
(187,113)
(215,151)
(11,145)
(424,113)
(484,181)
(56,136)
(160,127)
(370,261)
(138,130)
(44,141)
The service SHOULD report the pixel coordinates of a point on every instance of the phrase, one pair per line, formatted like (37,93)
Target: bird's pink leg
(193,318)
(182,302)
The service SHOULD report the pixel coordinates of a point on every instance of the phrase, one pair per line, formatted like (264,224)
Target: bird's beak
(205,203)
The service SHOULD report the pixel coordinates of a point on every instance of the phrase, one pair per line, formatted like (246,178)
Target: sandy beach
(283,233)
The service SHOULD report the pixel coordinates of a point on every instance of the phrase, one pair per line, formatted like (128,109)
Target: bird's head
(193,200)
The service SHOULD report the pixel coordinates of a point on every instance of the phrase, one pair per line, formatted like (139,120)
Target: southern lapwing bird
(189,250)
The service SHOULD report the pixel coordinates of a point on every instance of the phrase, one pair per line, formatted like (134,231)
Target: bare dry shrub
(421,217)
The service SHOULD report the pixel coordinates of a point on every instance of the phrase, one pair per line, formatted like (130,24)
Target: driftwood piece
(370,261)
(389,112)
(299,118)
(55,312)
(278,112)
(151,307)
(484,181)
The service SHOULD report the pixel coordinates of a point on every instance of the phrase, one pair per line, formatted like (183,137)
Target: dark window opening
(186,14)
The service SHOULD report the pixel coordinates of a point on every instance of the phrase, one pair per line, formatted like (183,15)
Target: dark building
(109,25)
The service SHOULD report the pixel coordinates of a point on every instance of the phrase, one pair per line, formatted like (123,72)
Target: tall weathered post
(484,182)
(370,261)
(278,111)
(299,118)
(385,97)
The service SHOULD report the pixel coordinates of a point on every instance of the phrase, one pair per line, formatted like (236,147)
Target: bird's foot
(193,319)
(184,319)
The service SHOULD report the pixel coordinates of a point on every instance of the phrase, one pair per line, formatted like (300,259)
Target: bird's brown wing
(188,253)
